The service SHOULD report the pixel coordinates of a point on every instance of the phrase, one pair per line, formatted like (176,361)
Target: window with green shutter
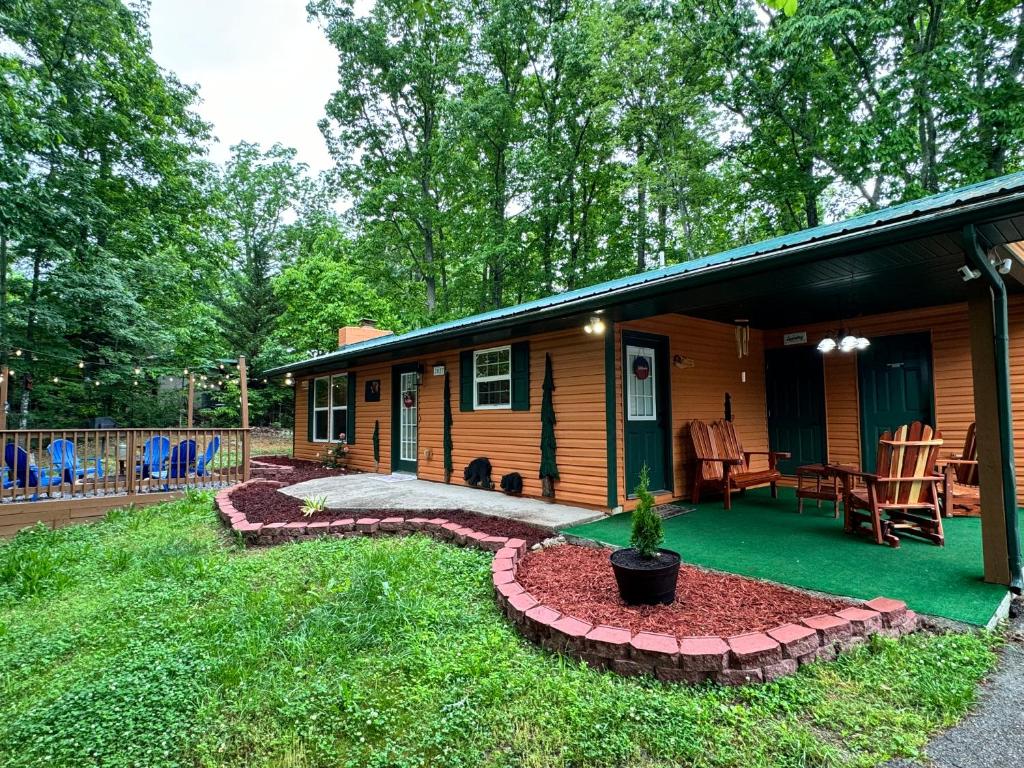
(496,378)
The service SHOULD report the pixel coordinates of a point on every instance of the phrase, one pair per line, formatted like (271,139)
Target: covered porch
(765,538)
(711,330)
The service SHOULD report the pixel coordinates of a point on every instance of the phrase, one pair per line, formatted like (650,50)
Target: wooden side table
(817,482)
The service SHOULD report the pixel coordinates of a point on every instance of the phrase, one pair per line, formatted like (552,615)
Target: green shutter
(350,425)
(310,384)
(521,376)
(466,381)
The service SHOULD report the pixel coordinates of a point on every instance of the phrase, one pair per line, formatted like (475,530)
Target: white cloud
(264,70)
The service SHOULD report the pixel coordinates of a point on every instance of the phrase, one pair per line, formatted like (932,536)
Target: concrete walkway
(992,736)
(405,493)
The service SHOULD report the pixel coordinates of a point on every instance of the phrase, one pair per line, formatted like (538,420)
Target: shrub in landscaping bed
(578,581)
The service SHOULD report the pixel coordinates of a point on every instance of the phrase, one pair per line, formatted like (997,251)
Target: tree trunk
(641,212)
(30,333)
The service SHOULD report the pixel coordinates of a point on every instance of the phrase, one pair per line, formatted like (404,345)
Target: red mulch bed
(579,581)
(263,503)
(301,470)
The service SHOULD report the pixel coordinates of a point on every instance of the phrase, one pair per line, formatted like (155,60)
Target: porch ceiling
(900,275)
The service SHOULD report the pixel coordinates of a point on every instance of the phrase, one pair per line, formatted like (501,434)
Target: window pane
(339,391)
(494,392)
(320,419)
(493,363)
(339,422)
(320,393)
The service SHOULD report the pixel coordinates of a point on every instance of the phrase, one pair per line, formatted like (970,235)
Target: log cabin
(933,290)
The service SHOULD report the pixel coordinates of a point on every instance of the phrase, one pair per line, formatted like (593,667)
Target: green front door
(795,383)
(647,410)
(405,405)
(895,379)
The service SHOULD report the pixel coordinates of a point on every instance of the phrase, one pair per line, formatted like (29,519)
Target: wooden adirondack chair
(904,494)
(724,465)
(961,496)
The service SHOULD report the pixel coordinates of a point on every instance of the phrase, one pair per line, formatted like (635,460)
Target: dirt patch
(579,581)
(263,503)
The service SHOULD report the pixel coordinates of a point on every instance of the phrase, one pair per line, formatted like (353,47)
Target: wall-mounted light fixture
(594,326)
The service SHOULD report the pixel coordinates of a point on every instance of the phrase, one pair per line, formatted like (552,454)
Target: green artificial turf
(765,538)
(152,639)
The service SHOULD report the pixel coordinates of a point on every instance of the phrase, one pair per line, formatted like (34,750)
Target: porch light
(827,344)
(844,341)
(594,325)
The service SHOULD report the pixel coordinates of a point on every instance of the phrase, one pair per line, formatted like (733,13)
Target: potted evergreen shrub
(646,574)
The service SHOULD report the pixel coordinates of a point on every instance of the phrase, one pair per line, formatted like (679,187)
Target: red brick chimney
(367,329)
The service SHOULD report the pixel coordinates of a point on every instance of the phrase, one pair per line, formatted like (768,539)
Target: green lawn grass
(152,640)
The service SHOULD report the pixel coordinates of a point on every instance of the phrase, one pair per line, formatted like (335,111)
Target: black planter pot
(646,582)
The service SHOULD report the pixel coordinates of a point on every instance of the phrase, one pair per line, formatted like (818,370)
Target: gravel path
(992,736)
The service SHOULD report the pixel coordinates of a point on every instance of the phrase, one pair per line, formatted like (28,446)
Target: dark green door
(795,382)
(895,379)
(647,410)
(405,403)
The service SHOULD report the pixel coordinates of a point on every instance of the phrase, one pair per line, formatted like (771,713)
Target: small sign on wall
(797,337)
(439,370)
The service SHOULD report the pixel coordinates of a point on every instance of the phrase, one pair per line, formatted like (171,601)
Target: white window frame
(482,379)
(630,380)
(330,407)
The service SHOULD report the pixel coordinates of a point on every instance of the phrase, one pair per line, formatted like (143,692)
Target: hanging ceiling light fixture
(844,341)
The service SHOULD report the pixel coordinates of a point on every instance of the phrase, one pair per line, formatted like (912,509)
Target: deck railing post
(5,375)
(243,385)
(129,464)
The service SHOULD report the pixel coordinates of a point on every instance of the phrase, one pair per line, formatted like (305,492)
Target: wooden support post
(190,420)
(986,414)
(243,385)
(5,377)
(130,476)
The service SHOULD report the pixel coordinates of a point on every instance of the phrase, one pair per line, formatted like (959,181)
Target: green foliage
(168,647)
(313,504)
(336,457)
(647,533)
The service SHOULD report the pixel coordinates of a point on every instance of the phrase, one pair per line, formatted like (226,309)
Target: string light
(81,364)
(17,353)
(56,379)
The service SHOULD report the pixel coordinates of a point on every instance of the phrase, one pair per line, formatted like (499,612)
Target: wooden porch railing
(119,462)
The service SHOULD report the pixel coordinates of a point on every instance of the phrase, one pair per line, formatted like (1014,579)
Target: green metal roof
(976,203)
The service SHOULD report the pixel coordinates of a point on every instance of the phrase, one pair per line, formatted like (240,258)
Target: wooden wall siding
(510,439)
(953,381)
(699,392)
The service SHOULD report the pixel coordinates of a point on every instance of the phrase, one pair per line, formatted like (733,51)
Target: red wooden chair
(904,494)
(961,496)
(723,464)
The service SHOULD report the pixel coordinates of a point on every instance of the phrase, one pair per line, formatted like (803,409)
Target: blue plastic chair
(26,474)
(183,459)
(66,461)
(203,468)
(155,453)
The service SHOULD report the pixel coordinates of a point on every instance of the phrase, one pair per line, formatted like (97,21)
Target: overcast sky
(264,72)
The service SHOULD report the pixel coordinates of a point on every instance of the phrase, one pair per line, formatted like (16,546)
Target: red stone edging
(753,657)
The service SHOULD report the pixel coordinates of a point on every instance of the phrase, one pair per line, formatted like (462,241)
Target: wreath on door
(641,367)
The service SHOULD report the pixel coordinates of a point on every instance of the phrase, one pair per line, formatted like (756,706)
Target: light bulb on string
(137,370)
(17,353)
(56,379)
(81,364)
